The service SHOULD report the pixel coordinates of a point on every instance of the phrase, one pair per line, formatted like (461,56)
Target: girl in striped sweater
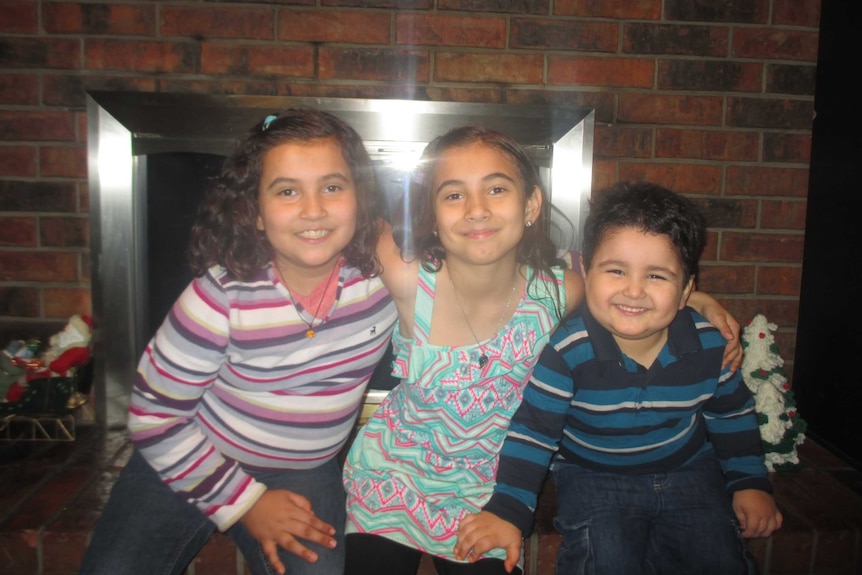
(253,382)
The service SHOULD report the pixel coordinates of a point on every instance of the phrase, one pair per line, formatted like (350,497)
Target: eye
(615,272)
(656,277)
(452,196)
(332,188)
(287,192)
(496,190)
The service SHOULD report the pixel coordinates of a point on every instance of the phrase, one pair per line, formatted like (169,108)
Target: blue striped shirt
(596,408)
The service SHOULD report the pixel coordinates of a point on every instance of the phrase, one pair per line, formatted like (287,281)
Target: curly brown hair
(414,233)
(225,231)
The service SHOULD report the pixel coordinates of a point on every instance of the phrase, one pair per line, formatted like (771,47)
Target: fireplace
(141,145)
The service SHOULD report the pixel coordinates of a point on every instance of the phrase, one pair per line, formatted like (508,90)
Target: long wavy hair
(414,233)
(225,230)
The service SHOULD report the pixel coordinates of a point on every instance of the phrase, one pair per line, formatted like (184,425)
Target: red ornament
(761,335)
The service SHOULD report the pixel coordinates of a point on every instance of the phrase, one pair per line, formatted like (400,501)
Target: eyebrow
(489,177)
(288,180)
(622,264)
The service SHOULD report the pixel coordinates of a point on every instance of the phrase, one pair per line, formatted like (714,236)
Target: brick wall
(714,99)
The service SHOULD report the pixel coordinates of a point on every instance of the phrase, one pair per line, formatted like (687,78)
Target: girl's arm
(400,278)
(708,307)
(574,290)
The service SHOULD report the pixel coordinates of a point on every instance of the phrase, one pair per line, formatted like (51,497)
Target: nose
(477,207)
(634,287)
(312,207)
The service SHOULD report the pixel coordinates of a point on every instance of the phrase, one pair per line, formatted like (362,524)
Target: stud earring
(434,233)
(528,223)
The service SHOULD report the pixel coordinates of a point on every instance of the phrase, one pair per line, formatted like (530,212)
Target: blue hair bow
(267,121)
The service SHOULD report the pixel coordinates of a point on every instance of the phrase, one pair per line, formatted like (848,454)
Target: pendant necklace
(310,333)
(483,358)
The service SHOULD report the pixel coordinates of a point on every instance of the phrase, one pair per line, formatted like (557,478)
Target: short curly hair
(225,230)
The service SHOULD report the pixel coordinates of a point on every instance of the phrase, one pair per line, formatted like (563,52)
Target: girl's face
(307,203)
(480,204)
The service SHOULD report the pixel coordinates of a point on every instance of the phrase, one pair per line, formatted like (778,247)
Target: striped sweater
(597,409)
(230,383)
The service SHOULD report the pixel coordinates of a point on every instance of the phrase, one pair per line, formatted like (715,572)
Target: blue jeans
(147,528)
(671,523)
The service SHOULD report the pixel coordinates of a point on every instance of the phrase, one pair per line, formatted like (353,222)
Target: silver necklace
(483,358)
(310,333)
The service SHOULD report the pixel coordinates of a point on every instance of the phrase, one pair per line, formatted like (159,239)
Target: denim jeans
(147,529)
(670,523)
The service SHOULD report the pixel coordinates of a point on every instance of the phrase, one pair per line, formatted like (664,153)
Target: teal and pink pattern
(429,455)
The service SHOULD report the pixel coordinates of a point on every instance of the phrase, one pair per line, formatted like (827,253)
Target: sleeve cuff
(511,510)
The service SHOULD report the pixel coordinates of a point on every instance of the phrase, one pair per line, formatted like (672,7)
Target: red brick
(673,39)
(43,125)
(796,13)
(19,551)
(488,67)
(20,302)
(19,89)
(66,302)
(725,279)
(670,109)
(754,247)
(616,141)
(219,551)
(83,190)
(342,26)
(683,178)
(103,18)
(778,280)
(615,72)
(30,196)
(710,252)
(141,56)
(375,64)
(17,161)
(38,266)
(749,12)
(623,9)
(449,31)
(604,174)
(64,232)
(69,162)
(54,53)
(62,551)
(462,94)
(723,212)
(19,232)
(217,22)
(782,312)
(557,34)
(770,113)
(19,17)
(706,145)
(513,6)
(783,214)
(710,76)
(271,60)
(783,147)
(773,44)
(797,79)
(767,181)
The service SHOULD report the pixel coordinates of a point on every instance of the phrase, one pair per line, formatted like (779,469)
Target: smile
(479,234)
(313,234)
(629,309)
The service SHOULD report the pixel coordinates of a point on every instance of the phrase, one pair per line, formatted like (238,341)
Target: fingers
(270,551)
(513,555)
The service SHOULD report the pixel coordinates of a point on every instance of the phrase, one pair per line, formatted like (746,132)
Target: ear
(534,205)
(258,223)
(686,292)
(584,269)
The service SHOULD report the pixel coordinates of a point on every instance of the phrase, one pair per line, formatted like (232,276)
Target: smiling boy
(658,463)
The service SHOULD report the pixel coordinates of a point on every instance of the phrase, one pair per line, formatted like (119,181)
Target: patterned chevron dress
(428,456)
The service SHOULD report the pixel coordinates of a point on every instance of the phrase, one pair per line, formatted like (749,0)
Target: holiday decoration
(781,427)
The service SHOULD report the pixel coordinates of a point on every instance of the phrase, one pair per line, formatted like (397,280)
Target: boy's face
(635,288)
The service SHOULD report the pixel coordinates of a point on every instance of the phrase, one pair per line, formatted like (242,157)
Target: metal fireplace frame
(123,127)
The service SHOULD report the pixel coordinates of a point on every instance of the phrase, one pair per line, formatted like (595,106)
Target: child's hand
(483,531)
(279,518)
(756,511)
(718,316)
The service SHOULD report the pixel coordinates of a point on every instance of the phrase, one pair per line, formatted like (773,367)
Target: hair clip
(267,121)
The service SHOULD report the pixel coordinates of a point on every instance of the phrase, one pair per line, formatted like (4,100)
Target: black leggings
(371,555)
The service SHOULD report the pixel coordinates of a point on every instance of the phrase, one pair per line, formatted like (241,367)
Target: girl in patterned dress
(475,306)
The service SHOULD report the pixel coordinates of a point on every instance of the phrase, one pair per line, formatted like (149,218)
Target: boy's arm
(534,432)
(731,424)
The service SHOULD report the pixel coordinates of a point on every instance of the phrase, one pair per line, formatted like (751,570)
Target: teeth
(313,234)
(631,309)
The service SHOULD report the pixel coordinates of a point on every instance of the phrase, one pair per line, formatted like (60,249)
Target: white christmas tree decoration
(781,427)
